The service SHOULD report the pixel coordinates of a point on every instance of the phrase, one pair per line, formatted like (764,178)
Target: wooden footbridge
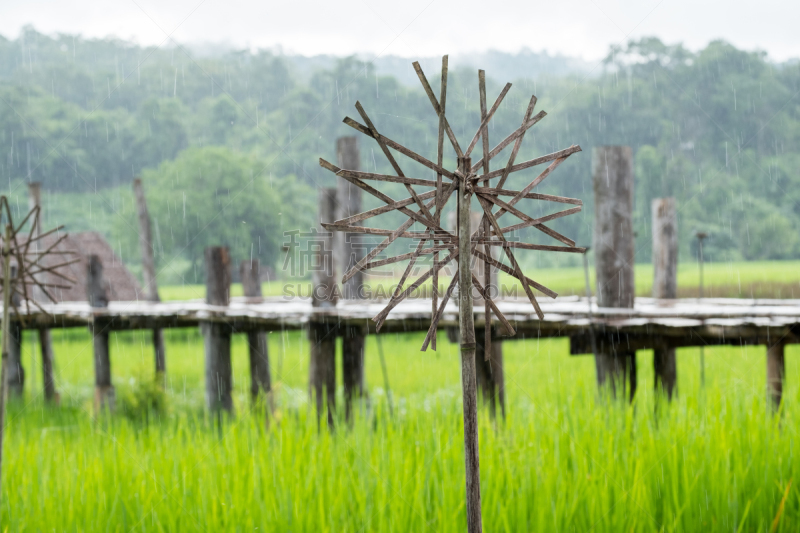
(655,324)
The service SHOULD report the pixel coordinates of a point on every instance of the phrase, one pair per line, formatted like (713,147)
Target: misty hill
(718,128)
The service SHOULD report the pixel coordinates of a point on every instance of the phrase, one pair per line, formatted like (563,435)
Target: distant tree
(161,131)
(213,196)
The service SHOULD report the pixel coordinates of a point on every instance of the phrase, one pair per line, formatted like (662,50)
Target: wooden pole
(468,351)
(45,342)
(350,251)
(97,295)
(217,335)
(6,323)
(776,373)
(612,174)
(260,379)
(149,273)
(665,284)
(322,334)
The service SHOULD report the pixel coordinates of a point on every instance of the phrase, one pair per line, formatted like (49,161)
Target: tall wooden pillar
(776,373)
(149,272)
(322,333)
(349,251)
(665,284)
(45,343)
(260,379)
(612,174)
(217,335)
(97,295)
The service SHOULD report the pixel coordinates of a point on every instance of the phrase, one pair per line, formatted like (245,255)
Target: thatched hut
(121,284)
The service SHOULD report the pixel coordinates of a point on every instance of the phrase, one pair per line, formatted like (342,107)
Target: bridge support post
(260,378)
(321,333)
(217,335)
(665,284)
(612,174)
(776,373)
(97,295)
(491,378)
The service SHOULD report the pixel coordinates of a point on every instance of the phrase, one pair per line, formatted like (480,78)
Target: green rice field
(755,279)
(562,460)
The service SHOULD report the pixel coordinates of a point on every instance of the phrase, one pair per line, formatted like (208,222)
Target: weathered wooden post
(665,284)
(45,342)
(350,251)
(260,379)
(468,351)
(776,373)
(16,372)
(149,273)
(97,295)
(321,332)
(217,335)
(612,174)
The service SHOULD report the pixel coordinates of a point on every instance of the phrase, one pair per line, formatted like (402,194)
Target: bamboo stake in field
(459,245)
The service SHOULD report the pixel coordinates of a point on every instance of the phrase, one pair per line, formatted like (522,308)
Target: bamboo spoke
(383,177)
(487,273)
(526,246)
(407,271)
(531,163)
(488,210)
(511,138)
(439,160)
(485,117)
(500,266)
(486,191)
(517,144)
(379,195)
(540,178)
(429,338)
(437,108)
(399,232)
(510,332)
(380,318)
(402,149)
(409,255)
(384,209)
(537,223)
(392,161)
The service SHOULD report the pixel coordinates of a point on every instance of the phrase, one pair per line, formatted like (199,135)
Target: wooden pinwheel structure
(25,263)
(467,180)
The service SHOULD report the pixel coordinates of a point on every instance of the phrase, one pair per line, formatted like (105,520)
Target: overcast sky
(419,28)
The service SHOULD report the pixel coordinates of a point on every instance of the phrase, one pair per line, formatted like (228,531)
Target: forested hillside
(718,128)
